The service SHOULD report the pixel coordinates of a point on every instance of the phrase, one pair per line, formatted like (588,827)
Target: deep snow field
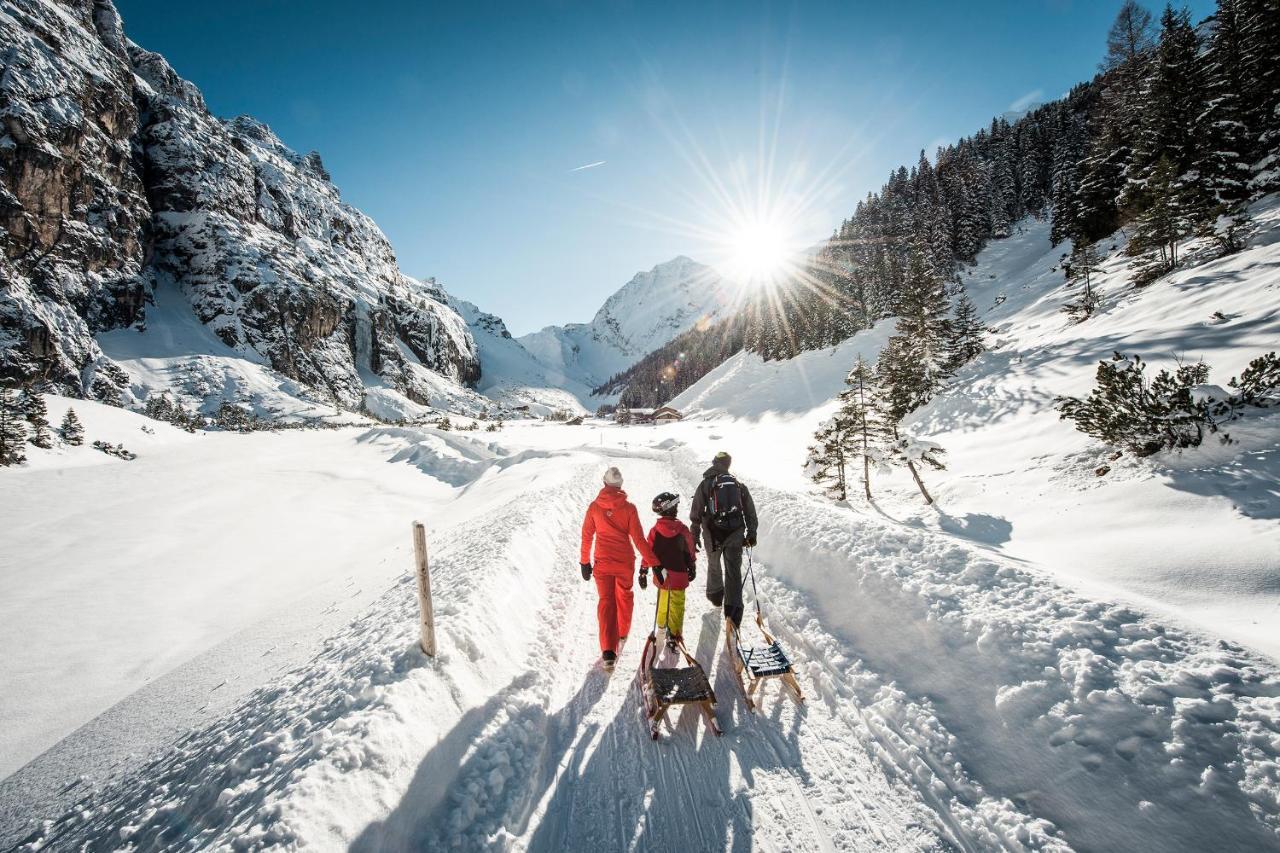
(214,645)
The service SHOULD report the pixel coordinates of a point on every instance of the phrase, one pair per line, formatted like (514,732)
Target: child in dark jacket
(672,543)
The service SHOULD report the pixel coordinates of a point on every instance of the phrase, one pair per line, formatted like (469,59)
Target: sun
(758,250)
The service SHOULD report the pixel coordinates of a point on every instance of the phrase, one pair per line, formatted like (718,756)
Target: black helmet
(667,503)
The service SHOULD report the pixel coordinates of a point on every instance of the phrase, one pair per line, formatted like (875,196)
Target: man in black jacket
(723,518)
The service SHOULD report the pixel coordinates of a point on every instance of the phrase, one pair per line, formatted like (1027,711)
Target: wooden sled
(754,665)
(663,688)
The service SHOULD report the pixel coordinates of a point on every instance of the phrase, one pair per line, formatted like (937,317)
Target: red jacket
(671,528)
(614,524)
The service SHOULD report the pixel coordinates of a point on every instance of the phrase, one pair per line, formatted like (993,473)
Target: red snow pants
(613,583)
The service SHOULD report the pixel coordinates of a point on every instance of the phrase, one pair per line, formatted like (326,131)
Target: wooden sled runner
(754,665)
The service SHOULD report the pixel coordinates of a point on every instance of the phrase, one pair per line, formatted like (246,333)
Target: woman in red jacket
(613,523)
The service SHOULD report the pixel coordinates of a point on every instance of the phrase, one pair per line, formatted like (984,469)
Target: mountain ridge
(118,182)
(645,313)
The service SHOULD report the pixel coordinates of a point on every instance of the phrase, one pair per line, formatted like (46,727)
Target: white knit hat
(613,477)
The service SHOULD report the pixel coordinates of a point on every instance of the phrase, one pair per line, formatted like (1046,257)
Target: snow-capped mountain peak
(657,305)
(647,312)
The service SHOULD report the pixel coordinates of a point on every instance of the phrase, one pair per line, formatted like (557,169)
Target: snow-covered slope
(511,375)
(1022,480)
(120,191)
(648,311)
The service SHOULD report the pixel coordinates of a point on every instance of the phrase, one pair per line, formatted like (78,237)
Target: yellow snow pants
(671,611)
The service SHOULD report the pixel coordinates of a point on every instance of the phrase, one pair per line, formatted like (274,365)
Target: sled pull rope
(751,573)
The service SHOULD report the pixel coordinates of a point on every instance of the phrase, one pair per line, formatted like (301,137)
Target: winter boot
(608,659)
(672,641)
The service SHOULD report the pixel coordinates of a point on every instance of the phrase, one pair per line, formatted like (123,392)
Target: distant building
(625,415)
(666,415)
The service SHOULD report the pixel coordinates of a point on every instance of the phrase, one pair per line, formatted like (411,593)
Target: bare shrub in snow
(116,450)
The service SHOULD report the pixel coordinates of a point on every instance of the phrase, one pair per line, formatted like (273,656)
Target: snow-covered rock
(73,206)
(115,179)
(648,311)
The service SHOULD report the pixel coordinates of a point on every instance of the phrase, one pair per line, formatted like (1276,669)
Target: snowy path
(957,701)
(798,778)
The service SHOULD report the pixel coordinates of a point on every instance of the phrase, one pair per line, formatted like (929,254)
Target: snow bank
(352,724)
(1123,733)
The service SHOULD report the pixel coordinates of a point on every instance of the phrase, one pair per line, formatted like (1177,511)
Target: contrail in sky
(588,166)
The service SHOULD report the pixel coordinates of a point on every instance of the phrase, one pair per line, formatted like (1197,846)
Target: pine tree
(1172,102)
(1068,155)
(925,330)
(857,430)
(1222,167)
(1081,268)
(32,406)
(1223,162)
(1102,179)
(1130,37)
(1130,44)
(36,414)
(1004,193)
(967,332)
(1260,78)
(1128,411)
(897,379)
(829,457)
(71,429)
(13,429)
(1160,226)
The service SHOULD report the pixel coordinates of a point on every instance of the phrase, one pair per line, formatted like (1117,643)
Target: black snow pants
(724,572)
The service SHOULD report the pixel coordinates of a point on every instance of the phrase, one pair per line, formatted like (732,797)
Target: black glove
(693,573)
(586,571)
(658,575)
(697,542)
(644,578)
(751,540)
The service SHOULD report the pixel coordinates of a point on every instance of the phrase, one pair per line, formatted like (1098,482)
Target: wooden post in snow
(428,640)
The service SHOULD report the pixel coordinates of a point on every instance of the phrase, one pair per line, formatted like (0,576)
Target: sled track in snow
(800,777)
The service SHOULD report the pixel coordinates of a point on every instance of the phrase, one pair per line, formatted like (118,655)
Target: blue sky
(456,126)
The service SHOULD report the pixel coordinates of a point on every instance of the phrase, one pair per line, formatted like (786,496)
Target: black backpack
(724,503)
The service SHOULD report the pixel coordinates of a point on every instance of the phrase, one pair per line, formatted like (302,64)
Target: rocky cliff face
(114,177)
